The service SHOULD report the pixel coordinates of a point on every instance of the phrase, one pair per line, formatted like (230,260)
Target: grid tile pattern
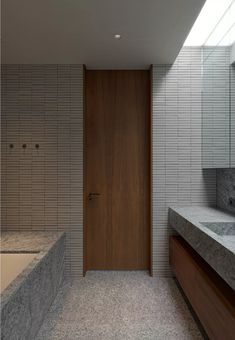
(42,188)
(178,178)
(216,107)
(232,127)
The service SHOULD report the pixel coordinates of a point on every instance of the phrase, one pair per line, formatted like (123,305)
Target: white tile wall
(42,189)
(232,122)
(178,178)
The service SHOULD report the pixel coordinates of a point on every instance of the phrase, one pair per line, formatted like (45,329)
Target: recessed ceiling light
(117,36)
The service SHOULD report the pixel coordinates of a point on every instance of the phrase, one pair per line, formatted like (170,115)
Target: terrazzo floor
(120,306)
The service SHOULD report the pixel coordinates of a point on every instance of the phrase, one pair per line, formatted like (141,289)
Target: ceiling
(82,31)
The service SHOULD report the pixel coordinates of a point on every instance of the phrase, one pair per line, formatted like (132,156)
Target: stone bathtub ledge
(218,251)
(25,302)
(28,241)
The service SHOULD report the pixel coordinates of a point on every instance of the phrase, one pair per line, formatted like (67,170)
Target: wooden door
(117,148)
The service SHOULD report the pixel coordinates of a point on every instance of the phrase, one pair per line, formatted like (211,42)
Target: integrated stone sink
(211,233)
(221,228)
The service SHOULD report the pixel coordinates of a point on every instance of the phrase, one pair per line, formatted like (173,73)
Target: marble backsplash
(226,189)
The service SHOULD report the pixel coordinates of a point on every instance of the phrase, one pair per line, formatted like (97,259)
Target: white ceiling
(82,31)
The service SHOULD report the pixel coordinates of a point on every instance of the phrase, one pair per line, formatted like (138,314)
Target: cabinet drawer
(210,296)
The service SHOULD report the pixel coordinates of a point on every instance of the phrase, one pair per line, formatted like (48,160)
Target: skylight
(215,24)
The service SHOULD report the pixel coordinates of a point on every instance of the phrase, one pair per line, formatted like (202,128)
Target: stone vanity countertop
(217,250)
(40,243)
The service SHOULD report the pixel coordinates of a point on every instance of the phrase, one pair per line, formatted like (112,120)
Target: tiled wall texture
(216,107)
(232,119)
(42,189)
(178,178)
(226,189)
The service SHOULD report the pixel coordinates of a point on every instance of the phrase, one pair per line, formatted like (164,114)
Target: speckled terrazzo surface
(120,306)
(217,250)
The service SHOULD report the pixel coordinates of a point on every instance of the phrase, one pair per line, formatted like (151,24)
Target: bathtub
(12,264)
(32,268)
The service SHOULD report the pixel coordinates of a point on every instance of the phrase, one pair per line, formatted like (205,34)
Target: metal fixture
(92,195)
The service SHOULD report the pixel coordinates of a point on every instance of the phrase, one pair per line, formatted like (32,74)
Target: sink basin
(221,228)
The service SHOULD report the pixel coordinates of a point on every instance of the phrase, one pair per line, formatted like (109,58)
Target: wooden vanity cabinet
(212,299)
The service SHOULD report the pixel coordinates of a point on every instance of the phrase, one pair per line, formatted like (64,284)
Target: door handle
(93,194)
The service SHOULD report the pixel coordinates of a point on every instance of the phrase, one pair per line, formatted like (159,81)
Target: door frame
(85,174)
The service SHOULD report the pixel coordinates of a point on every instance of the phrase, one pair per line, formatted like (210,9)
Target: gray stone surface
(30,241)
(27,299)
(225,188)
(217,250)
(221,228)
(121,306)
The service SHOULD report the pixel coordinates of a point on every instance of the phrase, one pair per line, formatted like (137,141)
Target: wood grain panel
(118,168)
(210,296)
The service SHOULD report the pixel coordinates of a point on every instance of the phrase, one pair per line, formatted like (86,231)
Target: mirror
(218,98)
(216,108)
